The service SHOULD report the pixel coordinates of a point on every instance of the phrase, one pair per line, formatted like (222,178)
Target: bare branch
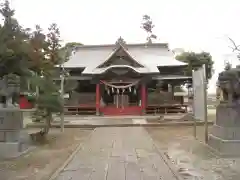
(231,48)
(235,46)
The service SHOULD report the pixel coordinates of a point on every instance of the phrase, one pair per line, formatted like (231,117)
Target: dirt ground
(40,163)
(192,158)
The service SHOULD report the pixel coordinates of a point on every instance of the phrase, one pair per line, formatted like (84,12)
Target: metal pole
(123,100)
(193,110)
(37,88)
(28,85)
(205,102)
(37,91)
(62,97)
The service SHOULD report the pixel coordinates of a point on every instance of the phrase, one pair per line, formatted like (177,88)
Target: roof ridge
(165,45)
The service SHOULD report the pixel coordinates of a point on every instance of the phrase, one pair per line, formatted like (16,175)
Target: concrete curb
(69,159)
(171,167)
(68,125)
(217,153)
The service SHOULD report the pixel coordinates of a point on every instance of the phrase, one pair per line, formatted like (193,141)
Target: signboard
(199,94)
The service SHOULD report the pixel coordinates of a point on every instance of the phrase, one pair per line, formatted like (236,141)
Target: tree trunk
(48,121)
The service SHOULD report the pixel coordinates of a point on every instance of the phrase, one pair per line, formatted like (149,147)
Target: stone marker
(11,124)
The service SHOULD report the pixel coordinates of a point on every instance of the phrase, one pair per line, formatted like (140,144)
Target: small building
(124,79)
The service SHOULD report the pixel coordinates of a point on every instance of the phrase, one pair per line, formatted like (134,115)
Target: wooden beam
(75,78)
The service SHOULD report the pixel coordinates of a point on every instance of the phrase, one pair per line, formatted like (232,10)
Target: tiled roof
(150,56)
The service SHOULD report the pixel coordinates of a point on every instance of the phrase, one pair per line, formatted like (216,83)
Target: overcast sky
(190,24)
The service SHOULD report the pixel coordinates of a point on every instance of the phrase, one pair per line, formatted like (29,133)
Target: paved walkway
(118,154)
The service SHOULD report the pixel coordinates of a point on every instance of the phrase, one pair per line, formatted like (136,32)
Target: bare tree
(235,47)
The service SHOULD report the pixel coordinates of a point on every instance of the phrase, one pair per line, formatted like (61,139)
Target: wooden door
(121,100)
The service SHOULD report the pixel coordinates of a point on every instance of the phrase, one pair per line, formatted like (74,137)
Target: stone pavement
(118,153)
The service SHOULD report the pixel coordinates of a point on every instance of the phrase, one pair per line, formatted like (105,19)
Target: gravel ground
(192,158)
(45,158)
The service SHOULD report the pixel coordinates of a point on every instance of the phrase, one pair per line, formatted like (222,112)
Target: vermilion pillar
(144,98)
(97,98)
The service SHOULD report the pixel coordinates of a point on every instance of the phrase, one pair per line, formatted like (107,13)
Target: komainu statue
(229,83)
(224,135)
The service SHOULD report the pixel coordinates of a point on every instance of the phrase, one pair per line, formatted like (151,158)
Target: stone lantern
(11,121)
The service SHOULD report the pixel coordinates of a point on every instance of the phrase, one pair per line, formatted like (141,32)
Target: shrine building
(124,79)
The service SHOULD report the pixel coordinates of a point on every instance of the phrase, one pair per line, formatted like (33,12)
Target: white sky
(190,24)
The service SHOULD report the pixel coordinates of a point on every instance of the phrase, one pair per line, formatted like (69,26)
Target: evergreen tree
(13,44)
(68,49)
(32,55)
(45,57)
(196,60)
(147,25)
(13,54)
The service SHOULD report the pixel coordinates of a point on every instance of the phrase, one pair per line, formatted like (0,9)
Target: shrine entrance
(120,84)
(120,98)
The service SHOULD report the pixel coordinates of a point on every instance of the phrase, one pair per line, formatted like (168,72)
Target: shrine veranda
(124,79)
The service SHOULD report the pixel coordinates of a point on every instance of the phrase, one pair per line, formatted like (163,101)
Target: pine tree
(13,44)
(32,55)
(13,53)
(45,57)
(147,25)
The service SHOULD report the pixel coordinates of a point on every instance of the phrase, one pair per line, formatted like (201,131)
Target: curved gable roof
(125,51)
(149,56)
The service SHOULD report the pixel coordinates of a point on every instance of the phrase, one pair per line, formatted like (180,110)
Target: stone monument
(225,134)
(11,122)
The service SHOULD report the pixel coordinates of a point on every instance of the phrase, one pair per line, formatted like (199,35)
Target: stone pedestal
(11,124)
(225,134)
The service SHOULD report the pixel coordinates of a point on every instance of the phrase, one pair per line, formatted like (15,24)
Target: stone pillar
(143,98)
(98,99)
(225,134)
